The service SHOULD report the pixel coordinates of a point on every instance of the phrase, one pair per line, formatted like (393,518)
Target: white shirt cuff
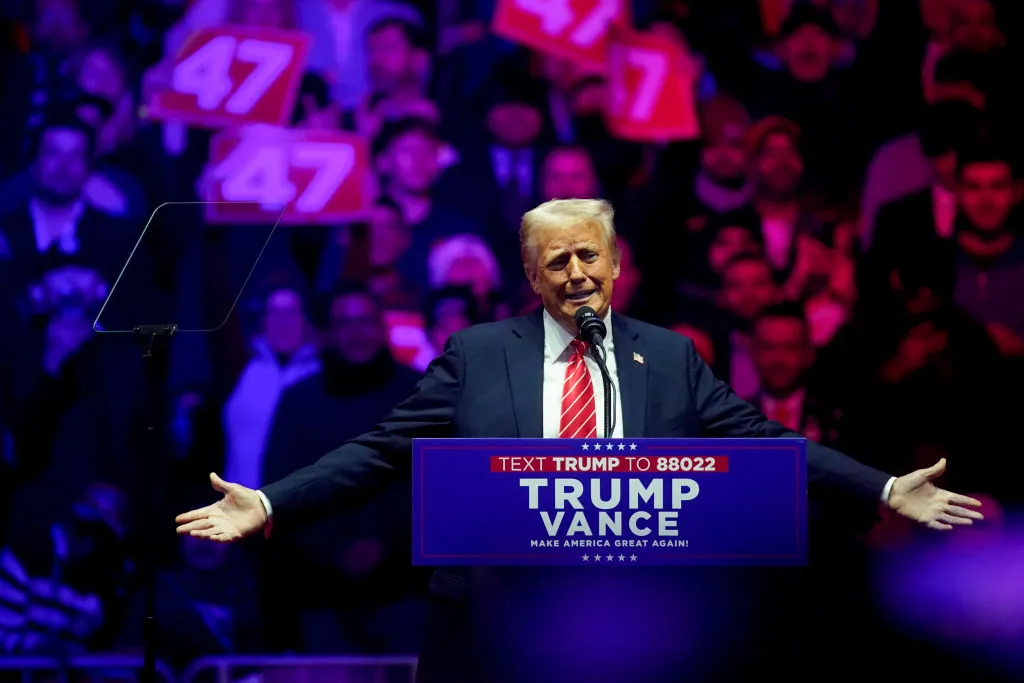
(270,510)
(885,492)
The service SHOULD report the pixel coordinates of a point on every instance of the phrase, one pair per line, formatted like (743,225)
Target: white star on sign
(597,446)
(632,446)
(609,558)
(586,446)
(622,446)
(609,446)
(632,558)
(586,557)
(622,558)
(597,558)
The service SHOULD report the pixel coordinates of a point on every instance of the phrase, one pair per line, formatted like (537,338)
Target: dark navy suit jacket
(488,384)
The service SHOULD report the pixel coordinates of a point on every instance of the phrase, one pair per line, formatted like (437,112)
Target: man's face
(414,162)
(729,242)
(391,58)
(450,316)
(573,268)
(568,174)
(357,328)
(726,158)
(284,323)
(972,25)
(388,237)
(807,53)
(780,168)
(781,353)
(747,288)
(62,166)
(986,194)
(514,124)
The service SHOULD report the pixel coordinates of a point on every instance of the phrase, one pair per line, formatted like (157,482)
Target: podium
(621,502)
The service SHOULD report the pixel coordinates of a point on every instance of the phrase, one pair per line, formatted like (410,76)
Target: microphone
(593,331)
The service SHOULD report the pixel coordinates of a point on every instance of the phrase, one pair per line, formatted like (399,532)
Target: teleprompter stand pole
(153,340)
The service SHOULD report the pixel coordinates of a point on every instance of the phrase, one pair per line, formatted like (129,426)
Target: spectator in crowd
(931,211)
(784,356)
(499,176)
(371,252)
(466,260)
(990,254)
(447,311)
(341,584)
(568,173)
(77,403)
(723,182)
(778,201)
(58,31)
(282,355)
(407,158)
(399,71)
(817,94)
(747,289)
(57,215)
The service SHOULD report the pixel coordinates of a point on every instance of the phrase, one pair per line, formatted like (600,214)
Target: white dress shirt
(556,359)
(60,229)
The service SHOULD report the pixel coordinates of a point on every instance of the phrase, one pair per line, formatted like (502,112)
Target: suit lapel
(524,363)
(632,370)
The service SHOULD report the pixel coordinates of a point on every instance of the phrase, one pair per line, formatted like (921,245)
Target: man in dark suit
(511,379)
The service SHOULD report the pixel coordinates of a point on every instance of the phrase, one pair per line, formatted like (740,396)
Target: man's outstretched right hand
(238,514)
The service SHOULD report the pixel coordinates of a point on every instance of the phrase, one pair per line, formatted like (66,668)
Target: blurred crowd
(840,242)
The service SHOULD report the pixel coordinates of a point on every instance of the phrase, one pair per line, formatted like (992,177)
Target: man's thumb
(935,470)
(219,484)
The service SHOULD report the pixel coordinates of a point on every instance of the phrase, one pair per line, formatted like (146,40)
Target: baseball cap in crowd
(722,117)
(774,123)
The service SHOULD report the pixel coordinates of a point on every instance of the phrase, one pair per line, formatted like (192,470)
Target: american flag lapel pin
(638,358)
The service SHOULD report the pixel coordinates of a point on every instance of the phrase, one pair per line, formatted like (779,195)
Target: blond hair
(567,213)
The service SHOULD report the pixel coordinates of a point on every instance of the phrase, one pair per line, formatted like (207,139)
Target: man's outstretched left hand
(915,497)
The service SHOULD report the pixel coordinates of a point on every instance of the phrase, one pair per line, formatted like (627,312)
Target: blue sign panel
(610,501)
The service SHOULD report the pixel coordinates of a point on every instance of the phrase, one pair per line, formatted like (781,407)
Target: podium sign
(625,502)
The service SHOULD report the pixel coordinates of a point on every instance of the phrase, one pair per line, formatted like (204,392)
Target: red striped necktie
(579,411)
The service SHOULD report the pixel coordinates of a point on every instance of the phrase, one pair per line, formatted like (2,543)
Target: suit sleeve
(724,414)
(351,475)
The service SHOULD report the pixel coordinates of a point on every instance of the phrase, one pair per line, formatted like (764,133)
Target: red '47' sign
(230,75)
(651,83)
(573,29)
(316,176)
